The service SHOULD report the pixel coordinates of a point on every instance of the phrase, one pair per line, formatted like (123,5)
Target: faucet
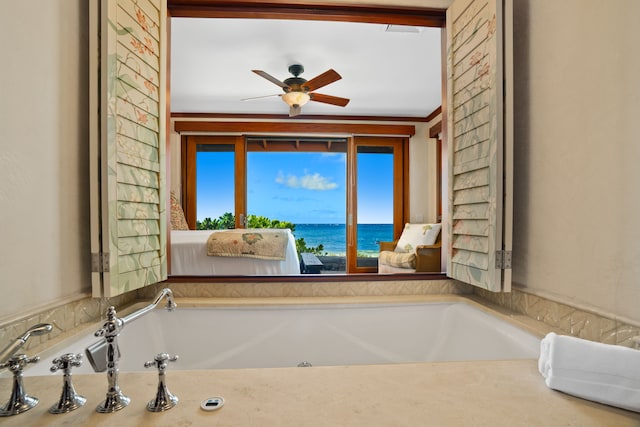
(105,354)
(115,399)
(20,401)
(18,343)
(97,352)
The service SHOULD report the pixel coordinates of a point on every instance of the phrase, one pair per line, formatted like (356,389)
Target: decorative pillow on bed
(415,235)
(398,259)
(250,243)
(178,221)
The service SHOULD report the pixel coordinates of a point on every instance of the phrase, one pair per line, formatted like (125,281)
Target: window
(215,180)
(378,201)
(304,181)
(434,18)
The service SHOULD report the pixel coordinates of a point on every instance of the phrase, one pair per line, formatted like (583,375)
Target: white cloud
(335,157)
(308,181)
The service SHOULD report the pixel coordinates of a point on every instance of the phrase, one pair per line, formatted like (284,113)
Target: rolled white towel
(604,373)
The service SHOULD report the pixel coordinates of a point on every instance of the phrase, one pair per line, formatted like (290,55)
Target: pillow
(178,221)
(415,235)
(397,259)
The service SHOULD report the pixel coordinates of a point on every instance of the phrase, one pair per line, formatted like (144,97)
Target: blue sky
(303,188)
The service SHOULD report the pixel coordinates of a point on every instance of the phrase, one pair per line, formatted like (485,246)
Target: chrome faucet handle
(160,361)
(112,326)
(69,399)
(164,400)
(19,401)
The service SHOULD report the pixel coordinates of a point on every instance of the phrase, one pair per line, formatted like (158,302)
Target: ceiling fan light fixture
(296,98)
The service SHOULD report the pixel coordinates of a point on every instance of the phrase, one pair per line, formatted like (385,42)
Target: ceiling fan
(298,91)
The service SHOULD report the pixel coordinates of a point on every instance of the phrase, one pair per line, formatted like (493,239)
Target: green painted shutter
(129,145)
(479,142)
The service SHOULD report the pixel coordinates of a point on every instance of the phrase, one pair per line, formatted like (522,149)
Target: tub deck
(488,393)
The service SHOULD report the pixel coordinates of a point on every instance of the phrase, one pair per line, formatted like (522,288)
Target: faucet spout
(165,293)
(97,352)
(168,294)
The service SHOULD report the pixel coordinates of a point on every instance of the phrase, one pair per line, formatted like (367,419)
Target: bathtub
(224,337)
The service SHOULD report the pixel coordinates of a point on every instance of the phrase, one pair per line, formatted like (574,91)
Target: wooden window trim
(371,14)
(294,128)
(314,11)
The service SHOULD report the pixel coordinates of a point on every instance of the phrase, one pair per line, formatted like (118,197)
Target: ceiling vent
(402,29)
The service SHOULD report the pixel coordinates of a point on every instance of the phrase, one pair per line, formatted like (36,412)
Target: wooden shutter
(480,144)
(128,145)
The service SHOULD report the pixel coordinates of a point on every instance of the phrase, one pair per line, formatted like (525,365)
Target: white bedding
(189,258)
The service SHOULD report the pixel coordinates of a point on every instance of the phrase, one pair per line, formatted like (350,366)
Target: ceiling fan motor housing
(295,83)
(296,69)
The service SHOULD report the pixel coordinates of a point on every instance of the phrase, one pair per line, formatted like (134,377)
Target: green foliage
(301,246)
(255,221)
(224,222)
(228,221)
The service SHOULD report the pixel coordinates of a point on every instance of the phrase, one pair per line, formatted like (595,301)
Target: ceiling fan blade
(260,97)
(270,78)
(323,79)
(328,99)
(295,110)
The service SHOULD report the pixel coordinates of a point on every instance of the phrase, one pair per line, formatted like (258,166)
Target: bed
(189,257)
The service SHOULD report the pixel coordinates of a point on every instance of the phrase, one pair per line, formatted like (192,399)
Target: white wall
(44,194)
(577,199)
(423,175)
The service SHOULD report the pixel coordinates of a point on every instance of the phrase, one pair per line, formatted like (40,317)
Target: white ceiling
(383,73)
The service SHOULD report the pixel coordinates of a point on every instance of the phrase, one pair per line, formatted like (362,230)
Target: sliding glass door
(377,210)
(341,195)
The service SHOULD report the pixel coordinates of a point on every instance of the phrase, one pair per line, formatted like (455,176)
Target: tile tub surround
(568,319)
(310,289)
(81,311)
(496,394)
(69,315)
(66,317)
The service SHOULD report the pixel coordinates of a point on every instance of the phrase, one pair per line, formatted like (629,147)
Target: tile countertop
(492,393)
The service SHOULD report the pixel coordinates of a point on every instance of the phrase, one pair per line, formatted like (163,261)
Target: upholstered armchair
(417,251)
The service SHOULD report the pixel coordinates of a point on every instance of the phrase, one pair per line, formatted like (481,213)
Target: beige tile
(518,302)
(608,331)
(624,334)
(585,325)
(564,317)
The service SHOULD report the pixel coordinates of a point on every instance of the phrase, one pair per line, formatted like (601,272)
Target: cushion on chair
(415,235)
(178,221)
(398,259)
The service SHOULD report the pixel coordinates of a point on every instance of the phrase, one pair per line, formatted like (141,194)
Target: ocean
(334,237)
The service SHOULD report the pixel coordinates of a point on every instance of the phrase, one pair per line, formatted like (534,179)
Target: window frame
(189,145)
(303,143)
(401,210)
